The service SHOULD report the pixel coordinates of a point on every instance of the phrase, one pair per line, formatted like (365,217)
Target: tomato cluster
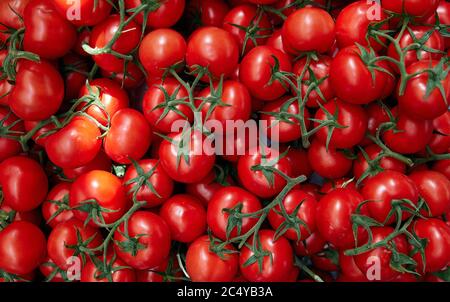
(349,179)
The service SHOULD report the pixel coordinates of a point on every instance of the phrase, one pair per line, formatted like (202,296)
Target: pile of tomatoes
(96,185)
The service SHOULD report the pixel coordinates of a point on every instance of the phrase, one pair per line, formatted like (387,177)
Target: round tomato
(442,166)
(414,8)
(10,126)
(55,208)
(91,12)
(310,246)
(329,163)
(208,186)
(162,15)
(114,271)
(440,141)
(100,162)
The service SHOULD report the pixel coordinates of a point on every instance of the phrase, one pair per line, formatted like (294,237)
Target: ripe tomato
(332,184)
(422,8)
(434,187)
(74,145)
(129,136)
(256,72)
(185,216)
(157,187)
(164,15)
(91,12)
(443,13)
(75,72)
(32,216)
(442,166)
(309,29)
(111,96)
(47,269)
(385,187)
(160,49)
(440,141)
(214,48)
(221,221)
(329,163)
(22,248)
(55,208)
(131,77)
(203,265)
(23,182)
(100,162)
(208,12)
(305,206)
(208,186)
(146,242)
(418,101)
(9,146)
(310,246)
(299,162)
(377,115)
(196,161)
(11,13)
(167,271)
(255,180)
(38,92)
(65,238)
(47,33)
(349,269)
(277,262)
(115,271)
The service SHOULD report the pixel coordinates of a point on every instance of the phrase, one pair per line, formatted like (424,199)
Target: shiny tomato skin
(8,146)
(203,265)
(423,8)
(22,248)
(312,245)
(209,12)
(11,13)
(349,269)
(91,12)
(24,183)
(100,162)
(207,187)
(156,240)
(55,198)
(165,15)
(299,162)
(120,272)
(33,216)
(275,267)
(129,136)
(329,164)
(440,141)
(185,216)
(131,78)
(442,166)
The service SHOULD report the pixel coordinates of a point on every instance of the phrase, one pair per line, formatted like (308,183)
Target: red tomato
(47,33)
(131,77)
(74,145)
(114,271)
(309,29)
(146,243)
(440,141)
(325,261)
(55,208)
(277,262)
(305,217)
(310,246)
(349,269)
(7,214)
(332,184)
(24,183)
(47,269)
(11,13)
(90,12)
(235,200)
(100,162)
(442,166)
(299,162)
(185,216)
(76,69)
(161,49)
(421,8)
(333,217)
(443,13)
(22,248)
(208,186)
(329,163)
(377,115)
(195,161)
(168,270)
(10,123)
(129,136)
(208,12)
(38,92)
(165,14)
(256,72)
(203,265)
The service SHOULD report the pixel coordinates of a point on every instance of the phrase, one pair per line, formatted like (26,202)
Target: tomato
(234,104)
(11,13)
(147,243)
(410,135)
(443,13)
(83,38)
(384,188)
(208,12)
(299,162)
(262,2)
(437,235)
(100,162)
(434,188)
(352,80)
(418,101)
(129,136)
(306,213)
(351,117)
(208,186)
(165,14)
(440,141)
(110,95)
(256,72)
(276,41)
(91,12)
(286,131)
(377,115)
(55,208)
(22,247)
(203,265)
(162,119)
(319,70)
(38,92)
(7,214)
(421,8)
(101,189)
(383,270)
(167,271)
(23,182)
(254,180)
(102,34)
(74,145)
(325,261)
(185,216)
(47,269)
(64,239)
(332,184)
(251,18)
(442,166)
(333,217)
(75,72)
(131,77)
(310,246)
(353,22)
(224,224)
(360,165)
(10,123)
(277,262)
(349,269)
(195,161)
(161,49)
(329,163)
(156,189)
(115,271)
(309,29)
(214,48)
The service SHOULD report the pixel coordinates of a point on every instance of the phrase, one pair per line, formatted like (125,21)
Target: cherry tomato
(329,163)
(208,12)
(440,141)
(55,208)
(208,186)
(11,123)
(310,246)
(115,271)
(100,162)
(91,12)
(164,15)
(442,166)
(422,8)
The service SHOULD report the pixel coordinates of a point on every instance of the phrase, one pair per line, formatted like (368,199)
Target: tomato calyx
(171,103)
(106,268)
(63,205)
(8,277)
(370,58)
(146,7)
(214,99)
(130,245)
(55,270)
(6,130)
(6,217)
(267,167)
(217,247)
(258,253)
(81,248)
(94,211)
(291,221)
(436,75)
(141,180)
